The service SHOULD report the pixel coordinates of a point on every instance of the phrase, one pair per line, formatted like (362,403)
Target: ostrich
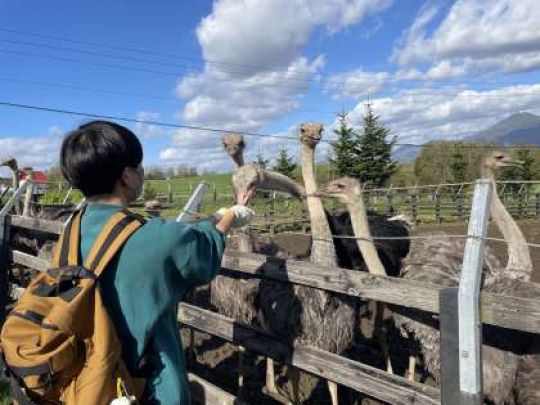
(517,281)
(519,263)
(11,163)
(301,314)
(236,297)
(440,263)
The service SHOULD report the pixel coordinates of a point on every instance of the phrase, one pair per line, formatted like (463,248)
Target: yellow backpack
(59,345)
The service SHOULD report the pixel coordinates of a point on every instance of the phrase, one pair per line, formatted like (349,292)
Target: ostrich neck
(519,257)
(322,247)
(238,159)
(15,180)
(360,225)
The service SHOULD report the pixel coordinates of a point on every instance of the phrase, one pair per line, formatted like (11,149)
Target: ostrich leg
(244,245)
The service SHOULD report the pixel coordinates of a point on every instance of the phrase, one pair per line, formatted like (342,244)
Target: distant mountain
(519,128)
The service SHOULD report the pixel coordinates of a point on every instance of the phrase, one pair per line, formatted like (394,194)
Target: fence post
(4,265)
(448,319)
(389,205)
(366,195)
(169,190)
(537,205)
(438,213)
(469,322)
(273,214)
(414,207)
(459,206)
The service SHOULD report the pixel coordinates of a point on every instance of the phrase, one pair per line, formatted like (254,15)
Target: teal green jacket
(142,286)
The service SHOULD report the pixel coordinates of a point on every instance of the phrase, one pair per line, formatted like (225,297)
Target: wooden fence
(501,311)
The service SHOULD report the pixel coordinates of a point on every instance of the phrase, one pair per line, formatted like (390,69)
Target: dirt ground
(217,361)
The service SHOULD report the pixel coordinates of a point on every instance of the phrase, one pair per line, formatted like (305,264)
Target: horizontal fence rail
(496,309)
(366,379)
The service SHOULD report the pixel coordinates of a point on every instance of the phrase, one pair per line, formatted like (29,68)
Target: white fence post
(194,202)
(469,322)
(17,194)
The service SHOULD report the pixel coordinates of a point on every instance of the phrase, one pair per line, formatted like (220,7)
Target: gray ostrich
(440,263)
(11,163)
(236,297)
(519,264)
(300,314)
(516,281)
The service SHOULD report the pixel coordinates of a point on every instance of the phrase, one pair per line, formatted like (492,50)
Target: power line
(217,62)
(263,84)
(209,129)
(124,93)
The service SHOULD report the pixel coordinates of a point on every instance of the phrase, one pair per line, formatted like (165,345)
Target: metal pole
(15,198)
(193,203)
(469,323)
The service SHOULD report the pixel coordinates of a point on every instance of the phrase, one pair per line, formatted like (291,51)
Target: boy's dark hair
(93,156)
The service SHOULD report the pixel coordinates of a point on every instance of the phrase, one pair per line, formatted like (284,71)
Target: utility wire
(458,92)
(216,62)
(209,129)
(124,93)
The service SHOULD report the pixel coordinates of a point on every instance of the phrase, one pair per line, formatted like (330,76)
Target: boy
(143,284)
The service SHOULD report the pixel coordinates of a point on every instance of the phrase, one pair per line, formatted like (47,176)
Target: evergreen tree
(374,165)
(284,163)
(261,161)
(345,149)
(458,165)
(523,172)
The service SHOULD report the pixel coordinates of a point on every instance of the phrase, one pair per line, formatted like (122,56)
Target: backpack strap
(111,238)
(67,250)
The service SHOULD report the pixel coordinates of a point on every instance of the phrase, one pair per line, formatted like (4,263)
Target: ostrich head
(233,144)
(346,189)
(310,134)
(10,162)
(498,160)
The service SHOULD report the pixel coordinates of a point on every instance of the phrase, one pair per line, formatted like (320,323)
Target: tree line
(366,154)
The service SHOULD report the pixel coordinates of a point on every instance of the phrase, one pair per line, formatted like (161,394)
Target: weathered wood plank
(366,379)
(449,347)
(4,265)
(44,225)
(499,310)
(354,283)
(205,393)
(28,260)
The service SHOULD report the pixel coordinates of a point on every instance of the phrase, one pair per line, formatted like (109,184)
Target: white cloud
(262,73)
(39,153)
(423,114)
(56,131)
(357,84)
(476,35)
(145,128)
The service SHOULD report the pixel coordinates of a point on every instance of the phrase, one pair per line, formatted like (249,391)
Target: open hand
(243,196)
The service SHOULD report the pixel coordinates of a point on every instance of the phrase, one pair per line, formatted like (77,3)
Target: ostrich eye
(302,130)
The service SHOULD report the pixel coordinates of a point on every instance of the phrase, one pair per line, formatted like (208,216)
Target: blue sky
(432,70)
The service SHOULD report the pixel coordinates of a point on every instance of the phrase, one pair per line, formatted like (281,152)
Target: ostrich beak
(512,163)
(321,194)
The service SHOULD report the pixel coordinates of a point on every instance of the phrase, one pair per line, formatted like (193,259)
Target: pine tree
(261,161)
(374,165)
(284,163)
(523,172)
(345,148)
(458,165)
